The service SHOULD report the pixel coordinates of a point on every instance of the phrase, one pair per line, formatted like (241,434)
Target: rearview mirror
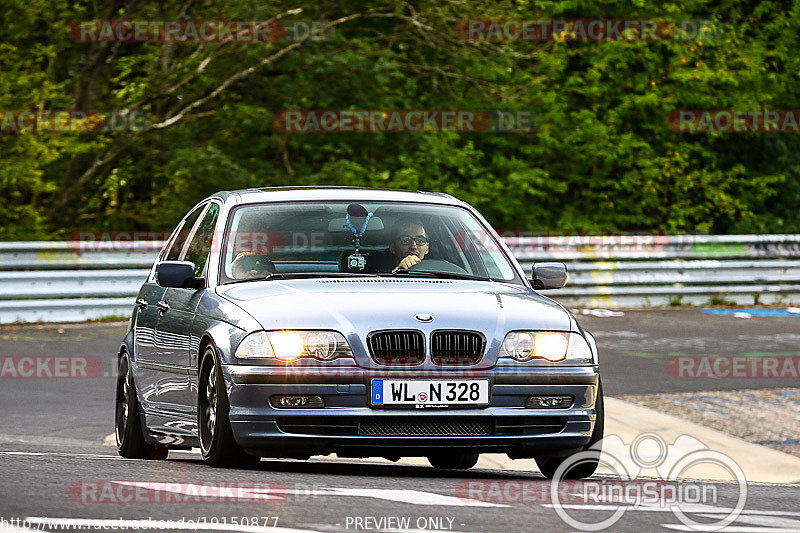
(178,274)
(549,275)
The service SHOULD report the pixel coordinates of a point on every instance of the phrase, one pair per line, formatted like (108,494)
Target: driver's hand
(237,269)
(408,261)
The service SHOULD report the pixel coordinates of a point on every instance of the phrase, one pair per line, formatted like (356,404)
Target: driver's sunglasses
(406,240)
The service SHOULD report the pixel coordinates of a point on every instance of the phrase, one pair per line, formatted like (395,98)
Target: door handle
(163,307)
(141,303)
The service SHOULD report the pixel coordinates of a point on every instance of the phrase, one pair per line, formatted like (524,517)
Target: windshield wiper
(304,275)
(437,274)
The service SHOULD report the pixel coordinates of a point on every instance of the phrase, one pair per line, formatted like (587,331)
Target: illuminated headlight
(292,345)
(551,346)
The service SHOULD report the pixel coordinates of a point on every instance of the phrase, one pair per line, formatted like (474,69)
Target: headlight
(551,346)
(292,345)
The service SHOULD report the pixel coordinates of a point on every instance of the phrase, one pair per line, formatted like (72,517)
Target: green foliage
(602,157)
(676,301)
(719,299)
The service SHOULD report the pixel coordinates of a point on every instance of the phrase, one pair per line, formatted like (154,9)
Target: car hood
(357,306)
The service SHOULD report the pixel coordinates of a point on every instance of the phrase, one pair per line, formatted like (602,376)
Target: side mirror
(178,274)
(549,275)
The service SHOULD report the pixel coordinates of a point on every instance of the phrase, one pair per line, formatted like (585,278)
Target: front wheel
(217,444)
(453,461)
(588,463)
(127,422)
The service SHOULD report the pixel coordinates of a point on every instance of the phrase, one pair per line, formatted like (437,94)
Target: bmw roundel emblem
(424,317)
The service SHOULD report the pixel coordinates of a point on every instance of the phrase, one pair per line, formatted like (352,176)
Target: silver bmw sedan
(291,322)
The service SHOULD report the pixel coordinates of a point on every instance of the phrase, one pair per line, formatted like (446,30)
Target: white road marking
(758,520)
(414,497)
(242,492)
(14,529)
(173,525)
(416,530)
(602,313)
(685,507)
(735,529)
(64,454)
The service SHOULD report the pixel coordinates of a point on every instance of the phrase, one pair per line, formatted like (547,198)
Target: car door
(176,315)
(147,314)
(144,340)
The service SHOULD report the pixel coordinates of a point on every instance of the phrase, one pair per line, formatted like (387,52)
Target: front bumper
(349,426)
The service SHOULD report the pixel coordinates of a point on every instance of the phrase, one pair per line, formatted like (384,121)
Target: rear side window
(175,248)
(202,240)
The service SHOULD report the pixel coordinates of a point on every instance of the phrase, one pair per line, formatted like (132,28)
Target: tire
(453,461)
(217,445)
(127,420)
(586,467)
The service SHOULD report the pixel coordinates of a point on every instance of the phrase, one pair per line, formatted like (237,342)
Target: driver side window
(202,240)
(174,252)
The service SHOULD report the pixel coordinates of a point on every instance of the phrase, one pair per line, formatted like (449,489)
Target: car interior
(318,239)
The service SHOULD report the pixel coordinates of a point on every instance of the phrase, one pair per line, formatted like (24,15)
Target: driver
(409,243)
(408,246)
(248,265)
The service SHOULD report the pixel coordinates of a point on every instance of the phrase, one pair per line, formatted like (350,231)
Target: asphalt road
(53,463)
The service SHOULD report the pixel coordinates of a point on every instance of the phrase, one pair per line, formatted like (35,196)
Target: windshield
(347,238)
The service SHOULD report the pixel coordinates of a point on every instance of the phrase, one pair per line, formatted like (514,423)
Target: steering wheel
(438,265)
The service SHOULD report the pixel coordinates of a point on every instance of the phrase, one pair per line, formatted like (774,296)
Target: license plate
(430,393)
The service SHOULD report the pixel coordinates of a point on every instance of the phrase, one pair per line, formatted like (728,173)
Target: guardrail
(64,281)
(657,270)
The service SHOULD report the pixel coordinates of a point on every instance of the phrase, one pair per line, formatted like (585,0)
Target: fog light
(548,402)
(296,402)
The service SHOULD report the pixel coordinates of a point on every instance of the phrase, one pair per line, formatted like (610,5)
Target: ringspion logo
(646,452)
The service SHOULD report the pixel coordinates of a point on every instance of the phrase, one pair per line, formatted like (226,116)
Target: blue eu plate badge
(377,391)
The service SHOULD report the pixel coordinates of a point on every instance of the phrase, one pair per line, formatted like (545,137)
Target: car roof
(312,193)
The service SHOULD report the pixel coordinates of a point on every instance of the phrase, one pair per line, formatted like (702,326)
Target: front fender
(226,338)
(127,345)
